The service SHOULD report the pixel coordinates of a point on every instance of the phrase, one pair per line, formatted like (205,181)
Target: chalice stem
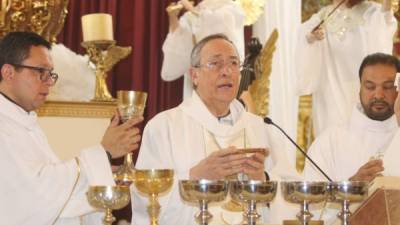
(204,217)
(128,161)
(252,215)
(108,218)
(345,213)
(305,215)
(154,209)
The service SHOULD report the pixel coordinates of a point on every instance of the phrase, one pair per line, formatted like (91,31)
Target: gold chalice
(108,198)
(130,104)
(152,183)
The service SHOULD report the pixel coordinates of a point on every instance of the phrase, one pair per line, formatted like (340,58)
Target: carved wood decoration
(45,17)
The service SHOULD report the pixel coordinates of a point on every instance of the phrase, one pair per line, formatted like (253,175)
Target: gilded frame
(77,109)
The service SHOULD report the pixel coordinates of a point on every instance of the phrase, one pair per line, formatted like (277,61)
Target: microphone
(267,120)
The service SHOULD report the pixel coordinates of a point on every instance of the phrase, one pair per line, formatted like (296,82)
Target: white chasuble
(180,138)
(36,187)
(391,157)
(340,151)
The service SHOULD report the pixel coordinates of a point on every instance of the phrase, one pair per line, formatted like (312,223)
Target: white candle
(97,26)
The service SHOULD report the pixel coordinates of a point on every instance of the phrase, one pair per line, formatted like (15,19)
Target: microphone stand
(269,121)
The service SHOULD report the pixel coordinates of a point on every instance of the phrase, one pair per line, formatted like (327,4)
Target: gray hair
(195,55)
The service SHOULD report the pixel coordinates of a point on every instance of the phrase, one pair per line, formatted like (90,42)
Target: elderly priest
(36,187)
(354,150)
(201,137)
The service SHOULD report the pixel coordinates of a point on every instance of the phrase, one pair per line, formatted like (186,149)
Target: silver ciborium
(130,104)
(152,183)
(252,192)
(108,198)
(347,192)
(304,193)
(203,192)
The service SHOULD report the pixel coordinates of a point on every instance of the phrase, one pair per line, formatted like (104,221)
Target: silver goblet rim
(305,191)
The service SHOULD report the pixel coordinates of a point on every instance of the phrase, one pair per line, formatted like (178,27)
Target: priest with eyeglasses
(202,138)
(37,188)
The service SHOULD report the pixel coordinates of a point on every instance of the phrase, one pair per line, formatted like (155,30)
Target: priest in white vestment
(206,18)
(356,150)
(36,187)
(328,58)
(197,138)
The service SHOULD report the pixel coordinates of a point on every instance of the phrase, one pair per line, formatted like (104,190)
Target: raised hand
(119,140)
(368,171)
(316,35)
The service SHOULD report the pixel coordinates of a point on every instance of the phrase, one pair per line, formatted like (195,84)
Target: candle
(97,26)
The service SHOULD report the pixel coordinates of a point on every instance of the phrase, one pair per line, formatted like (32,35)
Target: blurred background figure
(328,54)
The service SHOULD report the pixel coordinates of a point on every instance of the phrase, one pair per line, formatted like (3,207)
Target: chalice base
(296,222)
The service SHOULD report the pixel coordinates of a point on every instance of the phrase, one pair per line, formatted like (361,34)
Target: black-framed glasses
(217,65)
(44,74)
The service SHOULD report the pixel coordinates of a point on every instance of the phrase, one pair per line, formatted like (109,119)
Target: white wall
(69,135)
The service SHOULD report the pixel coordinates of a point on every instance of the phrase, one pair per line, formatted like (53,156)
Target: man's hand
(254,166)
(219,165)
(368,171)
(119,140)
(188,5)
(316,35)
(173,11)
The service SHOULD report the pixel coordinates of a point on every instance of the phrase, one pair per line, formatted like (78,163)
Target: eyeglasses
(216,65)
(44,74)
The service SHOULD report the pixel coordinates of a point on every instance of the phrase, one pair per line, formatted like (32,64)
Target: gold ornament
(104,54)
(44,17)
(259,89)
(253,10)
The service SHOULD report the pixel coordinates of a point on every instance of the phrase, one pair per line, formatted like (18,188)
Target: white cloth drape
(284,15)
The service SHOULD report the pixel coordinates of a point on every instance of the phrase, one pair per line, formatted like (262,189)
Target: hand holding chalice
(130,104)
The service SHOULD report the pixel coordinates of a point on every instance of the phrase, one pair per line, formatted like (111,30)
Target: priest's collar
(9,99)
(18,114)
(196,109)
(361,121)
(226,119)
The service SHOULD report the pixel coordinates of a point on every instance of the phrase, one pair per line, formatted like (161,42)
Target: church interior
(103,50)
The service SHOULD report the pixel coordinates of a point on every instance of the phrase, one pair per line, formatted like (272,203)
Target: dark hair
(195,55)
(15,47)
(379,58)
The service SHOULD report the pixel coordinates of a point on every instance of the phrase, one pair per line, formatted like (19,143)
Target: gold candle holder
(104,54)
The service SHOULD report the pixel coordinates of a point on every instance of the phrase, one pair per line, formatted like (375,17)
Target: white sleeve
(383,23)
(38,189)
(321,153)
(177,48)
(308,58)
(95,170)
